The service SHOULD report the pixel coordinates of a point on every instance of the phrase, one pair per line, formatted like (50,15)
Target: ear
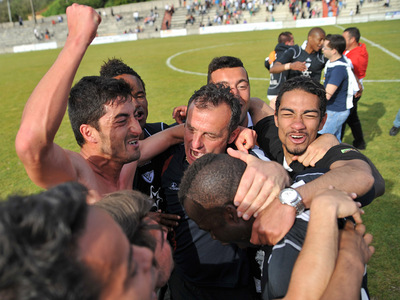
(89,133)
(321,125)
(234,135)
(276,118)
(230,214)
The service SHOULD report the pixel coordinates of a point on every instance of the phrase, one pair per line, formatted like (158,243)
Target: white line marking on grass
(376,45)
(170,65)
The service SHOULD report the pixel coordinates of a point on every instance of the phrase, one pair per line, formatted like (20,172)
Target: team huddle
(236,200)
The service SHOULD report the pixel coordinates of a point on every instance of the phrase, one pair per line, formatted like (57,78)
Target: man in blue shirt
(336,84)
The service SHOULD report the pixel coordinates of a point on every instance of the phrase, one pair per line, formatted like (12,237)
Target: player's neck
(309,50)
(335,57)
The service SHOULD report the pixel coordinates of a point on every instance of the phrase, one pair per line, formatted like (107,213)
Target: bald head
(316,30)
(207,191)
(212,180)
(315,40)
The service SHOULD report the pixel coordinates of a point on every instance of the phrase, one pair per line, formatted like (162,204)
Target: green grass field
(166,88)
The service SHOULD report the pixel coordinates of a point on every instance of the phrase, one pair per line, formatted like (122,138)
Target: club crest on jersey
(148,176)
(174,186)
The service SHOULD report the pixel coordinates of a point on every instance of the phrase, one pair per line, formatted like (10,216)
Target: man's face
(124,271)
(348,38)
(206,131)
(215,222)
(298,121)
(119,132)
(236,79)
(163,254)
(316,41)
(328,52)
(138,97)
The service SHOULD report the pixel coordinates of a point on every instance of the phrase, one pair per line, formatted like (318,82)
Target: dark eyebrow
(243,80)
(287,109)
(310,111)
(138,93)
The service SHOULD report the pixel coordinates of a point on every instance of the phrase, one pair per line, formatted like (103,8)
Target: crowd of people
(141,210)
(344,61)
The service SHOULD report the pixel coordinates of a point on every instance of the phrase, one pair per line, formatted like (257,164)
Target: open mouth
(196,154)
(133,142)
(139,115)
(297,138)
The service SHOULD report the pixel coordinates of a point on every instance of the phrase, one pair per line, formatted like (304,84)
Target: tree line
(46,8)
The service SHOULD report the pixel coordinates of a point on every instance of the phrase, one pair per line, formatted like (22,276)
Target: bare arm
(159,142)
(296,66)
(354,252)
(45,162)
(351,176)
(317,260)
(259,110)
(330,90)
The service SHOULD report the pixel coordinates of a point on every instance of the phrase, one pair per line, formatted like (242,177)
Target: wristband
(287,66)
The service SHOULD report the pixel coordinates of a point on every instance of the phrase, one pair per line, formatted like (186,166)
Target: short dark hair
(223,62)
(337,42)
(213,95)
(354,32)
(284,37)
(39,251)
(115,67)
(315,30)
(129,208)
(87,100)
(212,180)
(306,84)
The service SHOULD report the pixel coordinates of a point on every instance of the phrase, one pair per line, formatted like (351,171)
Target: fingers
(169,220)
(179,114)
(360,229)
(236,154)
(255,198)
(255,239)
(242,147)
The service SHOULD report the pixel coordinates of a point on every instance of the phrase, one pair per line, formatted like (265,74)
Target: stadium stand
(150,21)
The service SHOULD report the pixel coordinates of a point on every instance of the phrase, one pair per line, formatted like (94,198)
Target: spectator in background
(358,55)
(308,61)
(285,41)
(338,85)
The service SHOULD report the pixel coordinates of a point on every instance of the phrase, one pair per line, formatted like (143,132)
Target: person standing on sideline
(357,53)
(339,81)
(303,62)
(285,41)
